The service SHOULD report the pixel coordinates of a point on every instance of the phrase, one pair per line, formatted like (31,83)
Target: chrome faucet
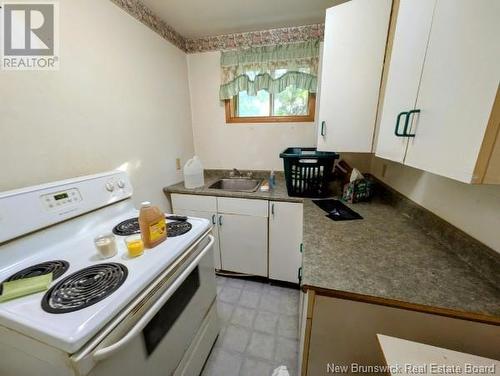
(235,173)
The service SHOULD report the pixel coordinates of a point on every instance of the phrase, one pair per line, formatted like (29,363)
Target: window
(267,84)
(290,105)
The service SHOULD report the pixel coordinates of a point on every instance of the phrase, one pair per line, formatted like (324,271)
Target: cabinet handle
(299,274)
(407,123)
(301,247)
(213,219)
(272,210)
(323,128)
(398,119)
(220,220)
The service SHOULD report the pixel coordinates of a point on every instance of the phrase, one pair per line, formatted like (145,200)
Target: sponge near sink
(25,286)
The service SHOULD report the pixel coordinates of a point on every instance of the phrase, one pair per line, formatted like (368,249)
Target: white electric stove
(153,314)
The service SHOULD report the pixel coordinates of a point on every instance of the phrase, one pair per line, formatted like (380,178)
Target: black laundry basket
(308,171)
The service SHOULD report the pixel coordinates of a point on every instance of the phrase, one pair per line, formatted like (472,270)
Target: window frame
(230,109)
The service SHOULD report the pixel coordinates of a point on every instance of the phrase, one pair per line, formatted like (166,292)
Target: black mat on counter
(337,210)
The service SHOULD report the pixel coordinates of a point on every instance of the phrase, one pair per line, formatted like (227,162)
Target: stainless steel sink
(237,184)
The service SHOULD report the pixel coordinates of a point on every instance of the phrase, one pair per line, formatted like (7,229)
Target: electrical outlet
(178,164)
(384,170)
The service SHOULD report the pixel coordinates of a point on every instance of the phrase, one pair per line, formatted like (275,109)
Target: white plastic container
(193,173)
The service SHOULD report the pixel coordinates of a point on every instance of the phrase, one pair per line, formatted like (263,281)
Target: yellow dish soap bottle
(152,225)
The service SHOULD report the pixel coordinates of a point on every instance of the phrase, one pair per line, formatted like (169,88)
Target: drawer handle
(398,119)
(407,123)
(272,210)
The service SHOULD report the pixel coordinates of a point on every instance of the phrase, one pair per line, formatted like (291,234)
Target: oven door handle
(106,352)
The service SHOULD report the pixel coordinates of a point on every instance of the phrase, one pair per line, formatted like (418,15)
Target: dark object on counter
(176,226)
(308,171)
(357,191)
(180,218)
(342,171)
(337,210)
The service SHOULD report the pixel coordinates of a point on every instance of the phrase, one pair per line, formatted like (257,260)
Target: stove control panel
(60,199)
(116,186)
(51,203)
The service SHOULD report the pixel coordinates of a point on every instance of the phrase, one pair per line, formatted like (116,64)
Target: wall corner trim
(282,35)
(145,15)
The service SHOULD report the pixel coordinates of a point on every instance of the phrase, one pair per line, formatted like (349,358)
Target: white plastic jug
(193,173)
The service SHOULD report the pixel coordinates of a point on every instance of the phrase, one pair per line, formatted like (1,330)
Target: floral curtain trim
(270,68)
(249,39)
(264,81)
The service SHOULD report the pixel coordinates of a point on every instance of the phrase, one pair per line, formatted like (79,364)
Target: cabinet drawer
(256,208)
(194,202)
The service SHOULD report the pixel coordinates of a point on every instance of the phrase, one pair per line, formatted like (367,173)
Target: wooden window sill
(232,119)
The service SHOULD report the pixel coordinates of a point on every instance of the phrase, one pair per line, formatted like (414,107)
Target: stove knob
(121,184)
(110,187)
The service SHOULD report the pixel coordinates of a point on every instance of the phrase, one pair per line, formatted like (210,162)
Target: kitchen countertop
(279,193)
(387,255)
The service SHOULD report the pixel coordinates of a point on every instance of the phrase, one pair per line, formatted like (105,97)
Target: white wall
(120,98)
(244,146)
(475,209)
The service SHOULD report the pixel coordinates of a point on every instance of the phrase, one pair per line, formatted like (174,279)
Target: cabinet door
(285,238)
(458,87)
(353,56)
(407,56)
(243,206)
(243,243)
(212,217)
(194,202)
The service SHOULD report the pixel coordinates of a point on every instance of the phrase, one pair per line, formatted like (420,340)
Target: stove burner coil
(84,288)
(56,267)
(131,226)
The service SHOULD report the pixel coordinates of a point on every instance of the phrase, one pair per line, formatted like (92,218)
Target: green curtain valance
(270,68)
(264,81)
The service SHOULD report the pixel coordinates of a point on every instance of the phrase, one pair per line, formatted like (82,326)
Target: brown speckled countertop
(279,193)
(387,255)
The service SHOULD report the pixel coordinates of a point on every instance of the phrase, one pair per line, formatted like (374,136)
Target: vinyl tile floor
(259,329)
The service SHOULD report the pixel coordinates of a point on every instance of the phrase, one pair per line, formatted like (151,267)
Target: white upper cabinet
(353,57)
(458,87)
(408,53)
(443,77)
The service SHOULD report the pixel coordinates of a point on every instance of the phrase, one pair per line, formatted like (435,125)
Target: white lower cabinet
(243,243)
(285,239)
(212,217)
(243,235)
(255,237)
(201,207)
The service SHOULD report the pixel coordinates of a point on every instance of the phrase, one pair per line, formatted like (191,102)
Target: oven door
(156,334)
